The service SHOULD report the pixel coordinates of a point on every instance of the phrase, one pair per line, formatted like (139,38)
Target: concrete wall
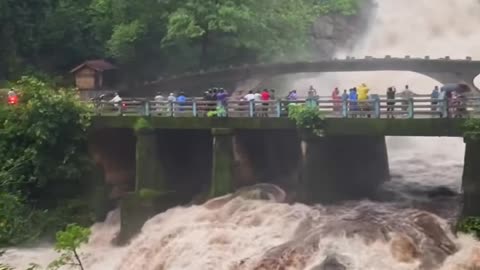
(343,167)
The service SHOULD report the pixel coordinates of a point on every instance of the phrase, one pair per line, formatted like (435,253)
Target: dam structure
(173,157)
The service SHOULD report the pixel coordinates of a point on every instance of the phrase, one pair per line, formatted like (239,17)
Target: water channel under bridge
(184,151)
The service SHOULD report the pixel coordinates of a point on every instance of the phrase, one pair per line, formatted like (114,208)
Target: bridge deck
(435,127)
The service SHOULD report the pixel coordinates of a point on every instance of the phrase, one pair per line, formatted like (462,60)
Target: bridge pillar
(343,167)
(471,179)
(150,195)
(150,173)
(223,162)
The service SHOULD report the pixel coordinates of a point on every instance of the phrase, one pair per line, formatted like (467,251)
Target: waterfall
(408,230)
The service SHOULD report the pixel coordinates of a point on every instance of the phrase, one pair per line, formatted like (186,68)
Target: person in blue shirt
(353,98)
(181,100)
(345,95)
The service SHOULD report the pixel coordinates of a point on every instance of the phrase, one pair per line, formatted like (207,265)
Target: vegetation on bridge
(472,129)
(43,160)
(307,118)
(150,37)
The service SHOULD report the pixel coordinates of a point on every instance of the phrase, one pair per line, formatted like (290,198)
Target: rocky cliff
(331,33)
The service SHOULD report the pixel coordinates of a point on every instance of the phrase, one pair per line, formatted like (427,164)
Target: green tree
(67,244)
(239,30)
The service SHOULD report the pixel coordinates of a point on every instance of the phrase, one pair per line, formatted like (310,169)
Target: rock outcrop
(333,32)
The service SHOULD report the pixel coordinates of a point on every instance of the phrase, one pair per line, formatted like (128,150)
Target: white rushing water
(399,234)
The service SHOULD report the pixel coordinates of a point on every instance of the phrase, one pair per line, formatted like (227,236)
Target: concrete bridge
(444,70)
(157,162)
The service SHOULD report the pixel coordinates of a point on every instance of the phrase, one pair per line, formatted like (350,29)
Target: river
(408,229)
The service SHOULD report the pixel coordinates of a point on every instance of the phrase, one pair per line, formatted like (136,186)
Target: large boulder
(330,263)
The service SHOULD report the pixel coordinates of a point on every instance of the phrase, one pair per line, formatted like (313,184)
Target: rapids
(408,228)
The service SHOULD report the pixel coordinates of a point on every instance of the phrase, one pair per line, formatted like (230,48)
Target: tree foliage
(470,225)
(43,160)
(43,138)
(307,118)
(67,244)
(150,37)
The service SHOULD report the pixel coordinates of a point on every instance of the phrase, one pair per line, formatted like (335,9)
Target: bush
(67,244)
(309,118)
(471,129)
(18,223)
(470,225)
(43,159)
(43,138)
(142,124)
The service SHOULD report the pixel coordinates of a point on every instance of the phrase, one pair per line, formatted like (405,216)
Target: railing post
(376,103)
(251,108)
(279,108)
(147,108)
(194,108)
(345,108)
(410,108)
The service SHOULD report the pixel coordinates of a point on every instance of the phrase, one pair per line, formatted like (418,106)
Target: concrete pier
(343,167)
(150,172)
(223,160)
(471,179)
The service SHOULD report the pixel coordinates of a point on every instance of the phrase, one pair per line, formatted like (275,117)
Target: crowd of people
(355,99)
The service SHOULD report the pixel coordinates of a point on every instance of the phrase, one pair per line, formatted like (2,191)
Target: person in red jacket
(265,97)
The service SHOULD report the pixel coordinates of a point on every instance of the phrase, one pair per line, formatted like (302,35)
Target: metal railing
(378,107)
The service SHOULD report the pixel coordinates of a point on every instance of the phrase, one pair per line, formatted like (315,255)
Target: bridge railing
(376,107)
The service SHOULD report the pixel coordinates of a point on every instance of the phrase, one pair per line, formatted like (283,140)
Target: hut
(94,77)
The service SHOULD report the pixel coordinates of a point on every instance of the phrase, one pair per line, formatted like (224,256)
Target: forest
(147,38)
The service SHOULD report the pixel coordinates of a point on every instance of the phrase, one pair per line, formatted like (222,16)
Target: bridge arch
(444,70)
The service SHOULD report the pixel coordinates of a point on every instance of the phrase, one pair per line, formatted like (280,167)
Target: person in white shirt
(250,96)
(116,100)
(172,98)
(258,96)
(159,102)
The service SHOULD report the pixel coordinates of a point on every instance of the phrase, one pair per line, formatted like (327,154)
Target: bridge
(150,149)
(444,70)
(419,116)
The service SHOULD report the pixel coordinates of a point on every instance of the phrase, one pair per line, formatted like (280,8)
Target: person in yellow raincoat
(363,97)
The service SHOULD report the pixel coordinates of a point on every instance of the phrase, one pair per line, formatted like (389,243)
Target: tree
(67,244)
(258,30)
(43,141)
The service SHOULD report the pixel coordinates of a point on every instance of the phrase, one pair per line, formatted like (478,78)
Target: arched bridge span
(444,70)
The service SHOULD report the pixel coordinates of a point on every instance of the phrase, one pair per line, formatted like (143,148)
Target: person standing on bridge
(336,100)
(292,96)
(352,101)
(159,102)
(391,101)
(435,95)
(265,98)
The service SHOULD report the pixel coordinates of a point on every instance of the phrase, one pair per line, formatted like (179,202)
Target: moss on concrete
(222,171)
(150,172)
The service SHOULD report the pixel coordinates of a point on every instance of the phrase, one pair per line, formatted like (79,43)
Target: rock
(432,229)
(266,192)
(330,263)
(441,192)
(403,249)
